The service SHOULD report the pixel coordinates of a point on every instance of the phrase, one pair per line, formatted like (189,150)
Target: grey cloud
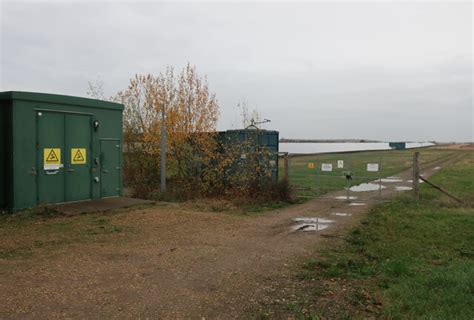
(318,70)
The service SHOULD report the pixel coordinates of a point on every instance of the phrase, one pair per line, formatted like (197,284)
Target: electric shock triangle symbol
(78,156)
(52,157)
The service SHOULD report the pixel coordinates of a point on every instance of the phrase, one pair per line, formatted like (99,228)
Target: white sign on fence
(372,167)
(326,167)
(340,164)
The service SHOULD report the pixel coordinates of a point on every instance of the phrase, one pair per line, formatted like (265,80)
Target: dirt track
(172,263)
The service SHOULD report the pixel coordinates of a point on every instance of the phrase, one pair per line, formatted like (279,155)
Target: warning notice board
(78,156)
(51,158)
(326,167)
(372,167)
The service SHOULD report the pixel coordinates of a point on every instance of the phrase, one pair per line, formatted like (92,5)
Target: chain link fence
(357,176)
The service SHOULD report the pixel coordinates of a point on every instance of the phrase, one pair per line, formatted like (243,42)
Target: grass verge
(405,260)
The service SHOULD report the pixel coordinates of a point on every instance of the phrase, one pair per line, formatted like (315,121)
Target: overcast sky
(388,71)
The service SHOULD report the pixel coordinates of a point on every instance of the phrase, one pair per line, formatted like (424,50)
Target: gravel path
(174,263)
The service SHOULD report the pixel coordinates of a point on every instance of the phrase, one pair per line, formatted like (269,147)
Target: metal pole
(163,152)
(348,184)
(348,187)
(416,176)
(318,189)
(380,177)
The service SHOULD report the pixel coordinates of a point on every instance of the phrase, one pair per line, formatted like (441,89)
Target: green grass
(310,183)
(406,259)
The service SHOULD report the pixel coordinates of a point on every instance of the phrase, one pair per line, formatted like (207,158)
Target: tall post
(163,151)
(287,166)
(318,183)
(380,177)
(348,190)
(349,179)
(416,175)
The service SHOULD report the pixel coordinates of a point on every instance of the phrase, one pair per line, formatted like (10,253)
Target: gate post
(318,190)
(380,178)
(348,189)
(416,176)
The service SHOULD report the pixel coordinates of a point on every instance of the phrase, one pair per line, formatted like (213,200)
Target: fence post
(348,190)
(318,189)
(416,175)
(380,177)
(287,166)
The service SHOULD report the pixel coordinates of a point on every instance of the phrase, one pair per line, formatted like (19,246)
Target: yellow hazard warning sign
(51,158)
(78,156)
(311,165)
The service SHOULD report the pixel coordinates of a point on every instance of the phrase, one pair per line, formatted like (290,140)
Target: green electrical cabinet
(258,140)
(57,149)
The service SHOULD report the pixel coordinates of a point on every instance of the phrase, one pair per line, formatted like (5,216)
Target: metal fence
(353,176)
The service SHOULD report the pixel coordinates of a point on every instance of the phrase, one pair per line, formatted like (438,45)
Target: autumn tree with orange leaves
(190,118)
(198,162)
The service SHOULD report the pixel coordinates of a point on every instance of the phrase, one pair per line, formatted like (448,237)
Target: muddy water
(341,214)
(403,188)
(345,198)
(310,227)
(313,220)
(311,224)
(411,181)
(366,187)
(391,180)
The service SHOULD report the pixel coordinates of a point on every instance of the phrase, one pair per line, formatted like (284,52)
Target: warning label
(78,156)
(51,158)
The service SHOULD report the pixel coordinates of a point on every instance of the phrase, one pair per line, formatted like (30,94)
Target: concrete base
(99,205)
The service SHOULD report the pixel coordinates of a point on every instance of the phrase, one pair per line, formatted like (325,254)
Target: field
(312,182)
(404,260)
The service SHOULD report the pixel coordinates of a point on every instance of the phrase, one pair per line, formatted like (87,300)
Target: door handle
(70,170)
(105,171)
(50,173)
(33,171)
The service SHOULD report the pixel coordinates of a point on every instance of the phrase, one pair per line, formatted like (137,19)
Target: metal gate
(351,176)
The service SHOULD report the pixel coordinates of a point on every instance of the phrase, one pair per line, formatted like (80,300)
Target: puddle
(345,198)
(366,187)
(403,188)
(437,168)
(411,181)
(310,227)
(357,204)
(341,214)
(391,179)
(313,220)
(311,224)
